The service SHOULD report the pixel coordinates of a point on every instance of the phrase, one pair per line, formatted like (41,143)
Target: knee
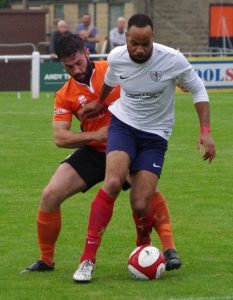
(113,185)
(49,200)
(139,205)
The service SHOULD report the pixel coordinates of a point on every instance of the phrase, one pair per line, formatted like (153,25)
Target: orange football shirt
(74,95)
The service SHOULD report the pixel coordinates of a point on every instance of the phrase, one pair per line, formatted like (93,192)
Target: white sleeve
(193,83)
(110,78)
(189,79)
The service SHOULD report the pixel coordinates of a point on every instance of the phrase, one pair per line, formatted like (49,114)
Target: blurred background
(197,28)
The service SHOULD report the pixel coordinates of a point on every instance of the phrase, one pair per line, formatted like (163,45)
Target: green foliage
(4,4)
(199,197)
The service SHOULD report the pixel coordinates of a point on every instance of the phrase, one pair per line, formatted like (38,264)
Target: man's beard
(87,75)
(141,60)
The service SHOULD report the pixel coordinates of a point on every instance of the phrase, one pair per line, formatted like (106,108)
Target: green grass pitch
(199,196)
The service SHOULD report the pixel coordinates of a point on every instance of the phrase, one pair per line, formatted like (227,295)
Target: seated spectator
(117,34)
(89,33)
(62,28)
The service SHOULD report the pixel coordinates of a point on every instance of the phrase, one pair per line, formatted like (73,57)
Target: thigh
(89,165)
(150,154)
(117,168)
(64,183)
(143,183)
(117,164)
(121,138)
(143,188)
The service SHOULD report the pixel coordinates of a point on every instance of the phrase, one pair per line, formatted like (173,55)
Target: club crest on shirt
(82,100)
(155,75)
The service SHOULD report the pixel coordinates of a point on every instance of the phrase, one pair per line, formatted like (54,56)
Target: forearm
(205,137)
(93,39)
(71,139)
(203,112)
(105,91)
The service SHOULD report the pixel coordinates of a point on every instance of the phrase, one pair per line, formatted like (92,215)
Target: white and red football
(146,263)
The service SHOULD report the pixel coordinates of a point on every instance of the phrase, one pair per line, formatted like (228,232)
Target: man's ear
(88,52)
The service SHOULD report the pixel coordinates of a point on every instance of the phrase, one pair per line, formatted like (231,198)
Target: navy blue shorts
(146,150)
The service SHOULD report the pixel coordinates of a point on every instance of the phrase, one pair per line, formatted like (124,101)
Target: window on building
(115,11)
(83,9)
(59,11)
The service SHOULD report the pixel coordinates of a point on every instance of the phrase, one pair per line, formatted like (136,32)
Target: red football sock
(100,216)
(48,229)
(162,223)
(144,227)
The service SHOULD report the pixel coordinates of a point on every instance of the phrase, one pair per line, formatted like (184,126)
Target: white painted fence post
(35,75)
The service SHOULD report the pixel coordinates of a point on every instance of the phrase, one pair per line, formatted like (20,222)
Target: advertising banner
(52,76)
(215,73)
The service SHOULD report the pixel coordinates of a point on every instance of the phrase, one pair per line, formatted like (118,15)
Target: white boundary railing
(36,58)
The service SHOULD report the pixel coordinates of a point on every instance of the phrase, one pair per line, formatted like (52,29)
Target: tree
(4,3)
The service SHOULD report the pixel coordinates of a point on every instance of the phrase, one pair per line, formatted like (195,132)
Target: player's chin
(140,59)
(80,78)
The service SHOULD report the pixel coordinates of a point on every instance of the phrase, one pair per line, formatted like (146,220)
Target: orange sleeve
(62,111)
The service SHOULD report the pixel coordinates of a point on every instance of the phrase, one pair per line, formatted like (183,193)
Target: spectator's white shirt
(117,38)
(148,89)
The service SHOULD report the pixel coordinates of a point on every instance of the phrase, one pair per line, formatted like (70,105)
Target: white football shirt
(147,90)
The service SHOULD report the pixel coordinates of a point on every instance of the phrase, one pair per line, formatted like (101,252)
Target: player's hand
(102,134)
(84,34)
(90,109)
(206,140)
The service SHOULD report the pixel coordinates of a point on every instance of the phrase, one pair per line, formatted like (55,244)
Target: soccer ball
(146,263)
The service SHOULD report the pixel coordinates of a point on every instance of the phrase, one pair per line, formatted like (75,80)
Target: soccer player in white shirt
(141,125)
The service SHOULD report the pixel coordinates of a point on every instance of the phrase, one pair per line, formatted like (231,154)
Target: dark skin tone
(140,44)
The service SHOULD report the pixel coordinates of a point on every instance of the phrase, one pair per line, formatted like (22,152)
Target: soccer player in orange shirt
(86,166)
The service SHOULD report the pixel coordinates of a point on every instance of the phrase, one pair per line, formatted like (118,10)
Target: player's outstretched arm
(205,137)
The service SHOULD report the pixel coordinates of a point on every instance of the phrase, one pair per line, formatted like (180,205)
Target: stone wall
(183,24)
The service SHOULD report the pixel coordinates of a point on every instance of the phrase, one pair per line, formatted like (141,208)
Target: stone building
(182,24)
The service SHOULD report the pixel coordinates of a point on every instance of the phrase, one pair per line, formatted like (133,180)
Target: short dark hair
(140,20)
(69,44)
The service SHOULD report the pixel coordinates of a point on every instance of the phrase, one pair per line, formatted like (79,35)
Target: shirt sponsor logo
(60,111)
(143,96)
(156,75)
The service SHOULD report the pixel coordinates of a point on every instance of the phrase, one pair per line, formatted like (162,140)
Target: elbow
(59,143)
